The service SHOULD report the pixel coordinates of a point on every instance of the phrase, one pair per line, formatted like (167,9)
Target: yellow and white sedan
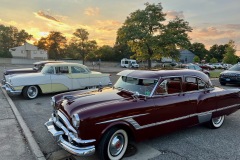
(55,77)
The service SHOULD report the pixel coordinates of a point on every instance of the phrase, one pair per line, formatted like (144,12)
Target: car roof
(65,64)
(45,62)
(146,74)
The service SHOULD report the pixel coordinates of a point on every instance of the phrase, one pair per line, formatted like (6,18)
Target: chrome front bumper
(69,144)
(10,90)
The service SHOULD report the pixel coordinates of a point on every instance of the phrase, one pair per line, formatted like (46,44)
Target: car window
(197,68)
(77,69)
(61,69)
(169,86)
(194,84)
(191,67)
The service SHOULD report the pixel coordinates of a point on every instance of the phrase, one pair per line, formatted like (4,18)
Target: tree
(213,60)
(144,32)
(105,53)
(54,43)
(199,50)
(82,44)
(10,37)
(122,50)
(196,59)
(217,51)
(229,56)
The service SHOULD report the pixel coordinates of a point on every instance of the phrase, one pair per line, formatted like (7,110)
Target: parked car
(230,76)
(196,67)
(141,105)
(227,66)
(37,67)
(206,66)
(217,66)
(129,63)
(55,77)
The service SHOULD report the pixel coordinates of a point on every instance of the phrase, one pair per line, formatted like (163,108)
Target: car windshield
(198,68)
(236,67)
(47,70)
(136,85)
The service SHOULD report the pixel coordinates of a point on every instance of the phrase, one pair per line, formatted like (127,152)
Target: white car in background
(217,66)
(55,77)
(227,66)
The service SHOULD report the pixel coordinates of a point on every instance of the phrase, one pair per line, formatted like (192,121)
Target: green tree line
(145,35)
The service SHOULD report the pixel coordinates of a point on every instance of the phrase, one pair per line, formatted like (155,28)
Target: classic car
(140,105)
(55,77)
(230,76)
(207,66)
(37,67)
(196,67)
(217,66)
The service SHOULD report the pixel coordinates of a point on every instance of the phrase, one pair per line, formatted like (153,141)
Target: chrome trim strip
(136,125)
(123,118)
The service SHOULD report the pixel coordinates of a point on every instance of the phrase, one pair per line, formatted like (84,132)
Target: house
(28,51)
(186,56)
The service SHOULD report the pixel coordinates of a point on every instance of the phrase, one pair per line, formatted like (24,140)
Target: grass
(215,73)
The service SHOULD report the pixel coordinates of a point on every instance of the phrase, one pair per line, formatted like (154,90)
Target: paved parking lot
(198,142)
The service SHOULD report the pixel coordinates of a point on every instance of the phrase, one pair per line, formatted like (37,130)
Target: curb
(37,153)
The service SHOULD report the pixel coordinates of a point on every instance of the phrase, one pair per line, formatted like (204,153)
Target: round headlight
(75,120)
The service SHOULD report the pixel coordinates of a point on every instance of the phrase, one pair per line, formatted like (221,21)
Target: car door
(61,80)
(80,77)
(173,109)
(201,97)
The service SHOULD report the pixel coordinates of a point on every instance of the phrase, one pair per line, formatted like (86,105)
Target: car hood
(95,102)
(227,72)
(21,70)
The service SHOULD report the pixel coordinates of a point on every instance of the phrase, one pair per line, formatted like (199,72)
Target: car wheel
(113,145)
(216,122)
(222,83)
(30,92)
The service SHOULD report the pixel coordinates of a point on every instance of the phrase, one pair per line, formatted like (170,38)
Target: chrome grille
(64,120)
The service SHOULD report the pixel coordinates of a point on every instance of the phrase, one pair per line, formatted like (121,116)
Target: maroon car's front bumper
(71,144)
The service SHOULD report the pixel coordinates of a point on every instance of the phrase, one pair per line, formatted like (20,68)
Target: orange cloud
(233,26)
(47,16)
(216,35)
(108,25)
(211,33)
(92,11)
(174,14)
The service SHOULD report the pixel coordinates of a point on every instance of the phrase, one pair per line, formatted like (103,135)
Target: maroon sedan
(141,105)
(37,67)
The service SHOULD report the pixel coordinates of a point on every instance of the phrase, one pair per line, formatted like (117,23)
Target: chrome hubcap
(217,120)
(116,145)
(32,91)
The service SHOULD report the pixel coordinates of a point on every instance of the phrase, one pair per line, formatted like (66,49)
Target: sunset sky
(213,21)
